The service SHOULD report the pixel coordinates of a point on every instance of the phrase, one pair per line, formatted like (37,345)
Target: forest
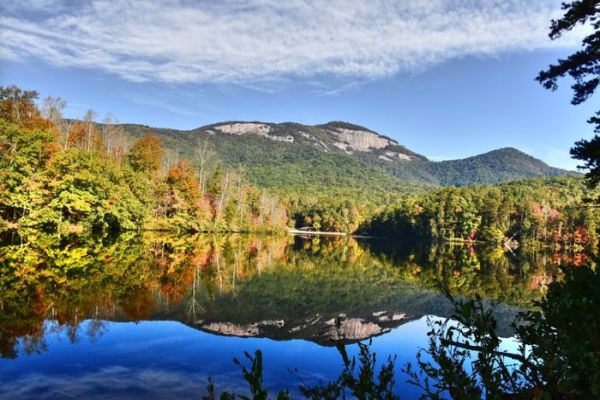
(58,174)
(555,211)
(68,176)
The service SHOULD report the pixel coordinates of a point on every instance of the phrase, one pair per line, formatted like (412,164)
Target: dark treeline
(65,175)
(550,211)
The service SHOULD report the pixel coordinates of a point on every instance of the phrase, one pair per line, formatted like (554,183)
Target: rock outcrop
(327,332)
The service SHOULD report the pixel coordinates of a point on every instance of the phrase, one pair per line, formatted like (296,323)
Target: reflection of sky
(165,360)
(156,360)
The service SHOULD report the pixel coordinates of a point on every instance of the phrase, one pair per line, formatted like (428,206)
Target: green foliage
(254,379)
(497,166)
(314,165)
(558,355)
(214,185)
(467,360)
(24,157)
(55,175)
(547,210)
(365,383)
(564,337)
(362,383)
(91,190)
(583,67)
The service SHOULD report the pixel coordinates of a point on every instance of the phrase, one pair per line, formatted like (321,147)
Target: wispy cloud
(157,103)
(250,41)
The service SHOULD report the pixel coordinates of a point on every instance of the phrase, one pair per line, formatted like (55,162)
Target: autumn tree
(114,138)
(146,154)
(53,111)
(18,106)
(90,129)
(181,176)
(84,135)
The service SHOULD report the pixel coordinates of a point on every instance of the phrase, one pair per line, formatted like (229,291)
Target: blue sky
(446,78)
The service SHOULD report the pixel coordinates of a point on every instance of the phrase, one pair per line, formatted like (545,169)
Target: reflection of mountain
(325,332)
(260,286)
(329,328)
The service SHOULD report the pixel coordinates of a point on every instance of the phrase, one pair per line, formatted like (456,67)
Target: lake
(153,316)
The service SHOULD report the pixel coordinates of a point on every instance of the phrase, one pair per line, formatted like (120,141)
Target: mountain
(339,156)
(500,165)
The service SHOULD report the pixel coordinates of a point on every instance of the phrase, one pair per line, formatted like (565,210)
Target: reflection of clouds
(94,330)
(145,345)
(116,382)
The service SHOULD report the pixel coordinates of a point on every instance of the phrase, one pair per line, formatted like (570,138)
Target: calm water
(154,316)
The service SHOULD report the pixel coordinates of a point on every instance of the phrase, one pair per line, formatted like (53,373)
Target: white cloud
(246,41)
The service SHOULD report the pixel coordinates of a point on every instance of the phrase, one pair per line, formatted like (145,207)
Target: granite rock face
(317,329)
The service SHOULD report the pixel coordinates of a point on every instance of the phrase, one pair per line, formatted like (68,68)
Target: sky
(446,78)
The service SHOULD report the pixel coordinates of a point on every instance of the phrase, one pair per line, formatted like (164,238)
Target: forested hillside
(550,210)
(70,176)
(338,157)
(78,175)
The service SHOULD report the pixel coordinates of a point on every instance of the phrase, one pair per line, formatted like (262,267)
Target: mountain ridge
(340,154)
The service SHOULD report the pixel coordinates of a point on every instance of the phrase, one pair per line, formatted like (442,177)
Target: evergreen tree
(584,67)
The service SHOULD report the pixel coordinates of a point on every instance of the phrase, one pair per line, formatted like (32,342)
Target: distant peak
(345,125)
(507,150)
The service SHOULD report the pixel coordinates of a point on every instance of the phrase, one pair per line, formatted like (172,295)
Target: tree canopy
(68,175)
(583,67)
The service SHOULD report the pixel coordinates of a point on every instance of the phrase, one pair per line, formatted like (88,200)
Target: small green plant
(253,377)
(358,380)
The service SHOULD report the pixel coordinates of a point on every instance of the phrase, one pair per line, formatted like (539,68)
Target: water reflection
(249,286)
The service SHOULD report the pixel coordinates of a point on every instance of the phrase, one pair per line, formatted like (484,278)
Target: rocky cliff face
(356,140)
(330,137)
(250,128)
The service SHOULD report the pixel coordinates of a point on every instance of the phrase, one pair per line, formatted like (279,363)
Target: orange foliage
(182,176)
(82,133)
(544,211)
(147,153)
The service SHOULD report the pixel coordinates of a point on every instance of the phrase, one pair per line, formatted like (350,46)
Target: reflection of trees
(516,278)
(68,280)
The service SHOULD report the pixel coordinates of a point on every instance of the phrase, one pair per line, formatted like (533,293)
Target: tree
(214,185)
(89,128)
(53,111)
(24,155)
(90,190)
(202,156)
(182,177)
(18,106)
(584,67)
(146,154)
